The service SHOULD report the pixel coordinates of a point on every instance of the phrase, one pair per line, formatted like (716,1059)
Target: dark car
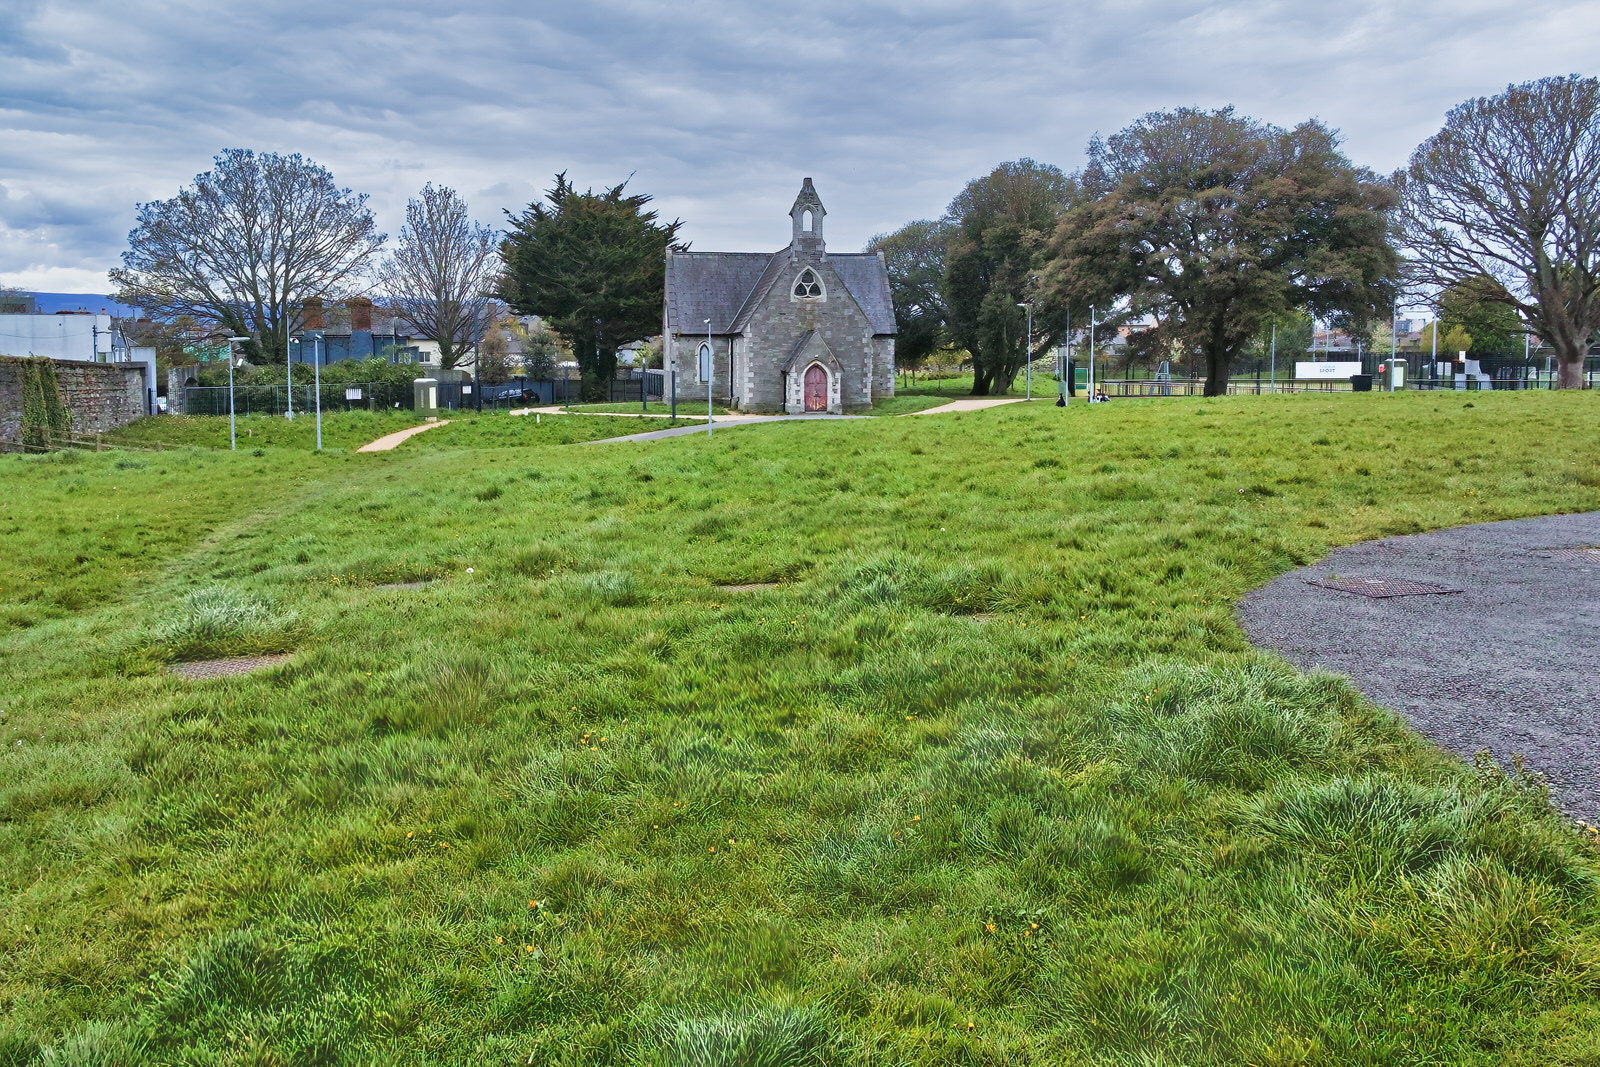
(509,391)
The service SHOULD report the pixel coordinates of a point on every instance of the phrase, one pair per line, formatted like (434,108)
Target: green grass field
(987,775)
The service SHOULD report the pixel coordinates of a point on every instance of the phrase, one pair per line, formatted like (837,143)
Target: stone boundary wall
(101,396)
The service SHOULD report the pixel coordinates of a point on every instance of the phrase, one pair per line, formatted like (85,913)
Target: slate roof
(726,286)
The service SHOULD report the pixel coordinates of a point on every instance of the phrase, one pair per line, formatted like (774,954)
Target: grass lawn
(988,776)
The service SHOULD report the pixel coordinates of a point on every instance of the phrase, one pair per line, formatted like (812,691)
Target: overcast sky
(716,108)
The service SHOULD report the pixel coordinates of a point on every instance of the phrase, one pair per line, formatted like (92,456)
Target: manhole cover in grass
(200,670)
(1378,588)
(749,587)
(404,585)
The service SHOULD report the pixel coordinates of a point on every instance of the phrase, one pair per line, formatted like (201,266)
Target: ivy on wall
(45,419)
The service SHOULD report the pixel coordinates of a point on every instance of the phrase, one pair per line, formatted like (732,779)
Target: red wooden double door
(816,388)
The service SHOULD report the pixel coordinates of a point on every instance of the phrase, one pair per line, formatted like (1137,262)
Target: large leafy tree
(440,277)
(1214,222)
(998,226)
(1507,191)
(592,265)
(915,258)
(1480,307)
(246,246)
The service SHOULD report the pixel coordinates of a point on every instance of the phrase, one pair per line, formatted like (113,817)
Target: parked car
(510,391)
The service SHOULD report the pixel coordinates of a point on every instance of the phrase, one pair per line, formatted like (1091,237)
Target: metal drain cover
(205,669)
(1581,555)
(1379,588)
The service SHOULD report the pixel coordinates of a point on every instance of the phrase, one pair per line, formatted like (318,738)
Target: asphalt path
(1510,664)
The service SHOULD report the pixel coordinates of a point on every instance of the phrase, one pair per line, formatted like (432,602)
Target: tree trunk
(980,380)
(1216,372)
(1569,365)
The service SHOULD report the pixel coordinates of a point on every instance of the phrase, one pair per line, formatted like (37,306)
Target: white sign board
(352,392)
(705,361)
(1327,371)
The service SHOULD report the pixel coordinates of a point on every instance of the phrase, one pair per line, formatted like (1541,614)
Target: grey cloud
(718,108)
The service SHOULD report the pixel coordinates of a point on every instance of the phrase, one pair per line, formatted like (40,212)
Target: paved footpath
(1511,663)
(390,441)
(971,403)
(722,423)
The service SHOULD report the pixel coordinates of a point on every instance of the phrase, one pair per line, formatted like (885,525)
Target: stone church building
(795,330)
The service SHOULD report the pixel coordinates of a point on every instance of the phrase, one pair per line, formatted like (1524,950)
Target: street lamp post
(316,372)
(288,367)
(1066,365)
(233,436)
(1433,372)
(287,363)
(1029,353)
(708,366)
(1091,352)
(1394,341)
(1272,373)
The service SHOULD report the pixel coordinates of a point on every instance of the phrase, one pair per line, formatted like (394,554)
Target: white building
(81,337)
(76,337)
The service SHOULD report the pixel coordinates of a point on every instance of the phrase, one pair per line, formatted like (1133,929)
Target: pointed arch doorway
(816,388)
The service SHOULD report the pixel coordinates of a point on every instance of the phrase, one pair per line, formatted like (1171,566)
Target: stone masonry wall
(777,324)
(101,396)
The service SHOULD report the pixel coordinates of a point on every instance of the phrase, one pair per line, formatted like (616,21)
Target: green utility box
(425,397)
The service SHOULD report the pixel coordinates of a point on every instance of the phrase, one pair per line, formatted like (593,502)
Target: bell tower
(807,214)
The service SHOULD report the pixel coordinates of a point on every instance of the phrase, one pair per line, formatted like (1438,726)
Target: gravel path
(1511,663)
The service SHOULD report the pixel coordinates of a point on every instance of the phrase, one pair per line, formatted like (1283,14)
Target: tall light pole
(316,371)
(1272,373)
(708,367)
(288,364)
(1029,353)
(1066,365)
(1091,352)
(233,435)
(1433,372)
(1394,341)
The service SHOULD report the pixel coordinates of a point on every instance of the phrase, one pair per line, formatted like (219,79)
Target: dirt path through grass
(1509,664)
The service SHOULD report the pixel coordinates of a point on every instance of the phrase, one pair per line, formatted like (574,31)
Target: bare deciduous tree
(1508,195)
(246,246)
(440,277)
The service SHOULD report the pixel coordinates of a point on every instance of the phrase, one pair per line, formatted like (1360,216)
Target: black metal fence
(276,399)
(452,396)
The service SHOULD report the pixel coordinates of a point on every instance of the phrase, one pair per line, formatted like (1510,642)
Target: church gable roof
(864,274)
(725,287)
(810,343)
(710,285)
